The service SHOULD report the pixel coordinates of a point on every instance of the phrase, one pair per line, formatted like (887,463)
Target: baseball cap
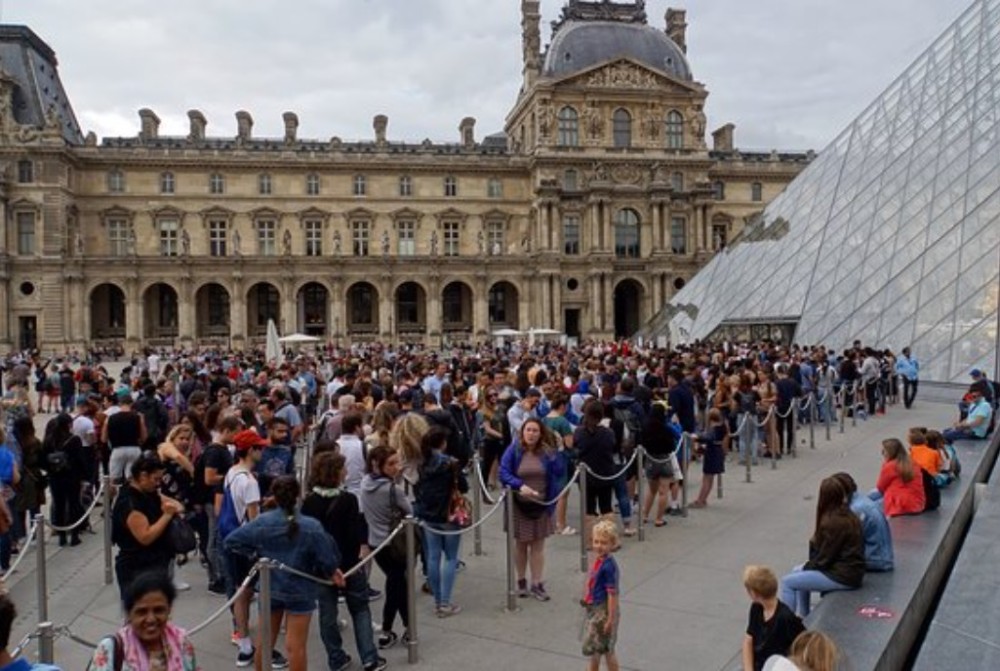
(248,439)
(975,372)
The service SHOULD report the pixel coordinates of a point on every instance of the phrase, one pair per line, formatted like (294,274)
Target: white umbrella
(545,332)
(507,333)
(272,350)
(298,339)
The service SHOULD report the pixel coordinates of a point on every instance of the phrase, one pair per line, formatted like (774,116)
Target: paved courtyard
(683,605)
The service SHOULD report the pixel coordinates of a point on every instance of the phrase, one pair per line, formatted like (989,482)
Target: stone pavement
(683,604)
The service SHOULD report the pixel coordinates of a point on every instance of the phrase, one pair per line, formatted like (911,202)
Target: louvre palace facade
(586,214)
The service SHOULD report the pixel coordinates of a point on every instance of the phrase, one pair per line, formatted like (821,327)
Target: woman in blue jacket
(531,468)
(300,542)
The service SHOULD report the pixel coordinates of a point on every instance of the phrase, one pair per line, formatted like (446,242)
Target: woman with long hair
(381,499)
(382,420)
(900,483)
(595,447)
(30,495)
(531,468)
(299,541)
(405,438)
(836,551)
(496,434)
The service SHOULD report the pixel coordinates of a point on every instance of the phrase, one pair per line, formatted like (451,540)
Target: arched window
(675,130)
(622,123)
(627,234)
(569,127)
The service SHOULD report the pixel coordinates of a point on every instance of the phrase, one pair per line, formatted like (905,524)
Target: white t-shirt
(244,489)
(153,363)
(84,427)
(354,462)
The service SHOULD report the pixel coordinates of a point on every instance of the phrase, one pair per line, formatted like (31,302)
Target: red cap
(247,439)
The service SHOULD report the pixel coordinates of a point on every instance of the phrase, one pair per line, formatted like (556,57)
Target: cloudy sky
(789,73)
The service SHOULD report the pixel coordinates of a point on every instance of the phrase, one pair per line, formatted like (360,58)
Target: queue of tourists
(210,441)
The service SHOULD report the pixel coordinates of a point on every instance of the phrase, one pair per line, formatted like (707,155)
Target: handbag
(180,536)
(57,461)
(459,508)
(529,507)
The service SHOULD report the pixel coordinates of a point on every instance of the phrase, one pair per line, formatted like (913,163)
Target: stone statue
(385,243)
(480,242)
(600,172)
(185,244)
(652,122)
(545,119)
(698,122)
(336,243)
(593,122)
(526,244)
(130,242)
(78,243)
(434,243)
(236,243)
(286,243)
(497,249)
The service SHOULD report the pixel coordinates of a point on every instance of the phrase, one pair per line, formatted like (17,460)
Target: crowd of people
(208,441)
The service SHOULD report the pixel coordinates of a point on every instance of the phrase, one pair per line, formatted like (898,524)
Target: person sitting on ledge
(976,424)
(900,483)
(874,526)
(922,454)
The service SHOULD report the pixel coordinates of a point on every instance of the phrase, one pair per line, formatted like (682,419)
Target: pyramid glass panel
(892,235)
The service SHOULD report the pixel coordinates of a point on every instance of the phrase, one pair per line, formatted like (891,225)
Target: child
(715,456)
(601,599)
(772,625)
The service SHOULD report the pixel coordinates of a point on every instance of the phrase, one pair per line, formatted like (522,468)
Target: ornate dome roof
(578,45)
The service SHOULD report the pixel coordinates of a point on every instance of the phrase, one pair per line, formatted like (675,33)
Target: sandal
(567,531)
(629,532)
(660,523)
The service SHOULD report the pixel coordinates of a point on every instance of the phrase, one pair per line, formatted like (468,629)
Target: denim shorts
(298,606)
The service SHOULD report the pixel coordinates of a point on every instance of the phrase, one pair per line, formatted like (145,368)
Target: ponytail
(286,494)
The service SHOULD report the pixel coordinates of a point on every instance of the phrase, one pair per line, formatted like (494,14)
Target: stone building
(595,204)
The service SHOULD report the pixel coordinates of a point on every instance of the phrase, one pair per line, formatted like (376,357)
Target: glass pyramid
(892,235)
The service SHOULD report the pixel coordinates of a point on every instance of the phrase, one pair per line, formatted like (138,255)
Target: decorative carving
(337,243)
(698,122)
(78,244)
(652,121)
(546,117)
(600,173)
(385,243)
(480,242)
(185,243)
(660,174)
(623,76)
(626,173)
(286,243)
(593,121)
(434,243)
(236,243)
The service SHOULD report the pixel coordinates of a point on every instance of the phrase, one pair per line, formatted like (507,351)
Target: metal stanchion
(109,576)
(412,651)
(640,489)
(828,404)
(582,468)
(477,506)
(772,437)
(264,615)
(41,579)
(747,440)
(46,643)
(511,578)
(854,406)
(685,459)
(843,407)
(718,489)
(813,418)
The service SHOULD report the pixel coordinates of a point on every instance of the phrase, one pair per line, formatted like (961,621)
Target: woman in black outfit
(595,446)
(67,466)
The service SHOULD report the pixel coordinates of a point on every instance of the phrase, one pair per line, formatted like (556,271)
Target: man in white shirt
(241,485)
(351,444)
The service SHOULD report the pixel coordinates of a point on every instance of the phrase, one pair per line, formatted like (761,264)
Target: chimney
(291,126)
(380,124)
(722,138)
(244,126)
(531,41)
(149,124)
(467,130)
(677,27)
(198,124)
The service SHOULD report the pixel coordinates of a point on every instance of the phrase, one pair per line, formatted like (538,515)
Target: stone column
(524,305)
(434,306)
(555,287)
(185,312)
(543,320)
(237,313)
(647,236)
(607,241)
(595,227)
(133,314)
(657,227)
(699,220)
(386,301)
(288,303)
(480,309)
(337,310)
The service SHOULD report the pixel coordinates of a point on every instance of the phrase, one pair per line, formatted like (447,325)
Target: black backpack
(932,495)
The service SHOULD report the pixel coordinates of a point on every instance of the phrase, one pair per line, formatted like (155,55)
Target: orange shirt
(927,458)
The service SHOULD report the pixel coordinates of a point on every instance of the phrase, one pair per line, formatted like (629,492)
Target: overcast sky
(789,73)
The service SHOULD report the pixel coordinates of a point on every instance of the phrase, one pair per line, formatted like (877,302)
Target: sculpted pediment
(625,73)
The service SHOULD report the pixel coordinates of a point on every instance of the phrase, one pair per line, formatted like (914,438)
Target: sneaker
(538,591)
(244,659)
(387,639)
(460,566)
(346,664)
(522,588)
(426,587)
(448,609)
(378,665)
(235,638)
(567,531)
(217,587)
(374,594)
(278,660)
(181,586)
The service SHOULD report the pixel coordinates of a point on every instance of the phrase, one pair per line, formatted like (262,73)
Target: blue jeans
(951,435)
(441,576)
(624,502)
(356,594)
(797,587)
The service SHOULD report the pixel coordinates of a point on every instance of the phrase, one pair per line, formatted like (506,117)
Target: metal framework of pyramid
(892,235)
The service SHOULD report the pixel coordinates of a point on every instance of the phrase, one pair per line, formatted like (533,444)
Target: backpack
(229,521)
(932,494)
(321,429)
(630,429)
